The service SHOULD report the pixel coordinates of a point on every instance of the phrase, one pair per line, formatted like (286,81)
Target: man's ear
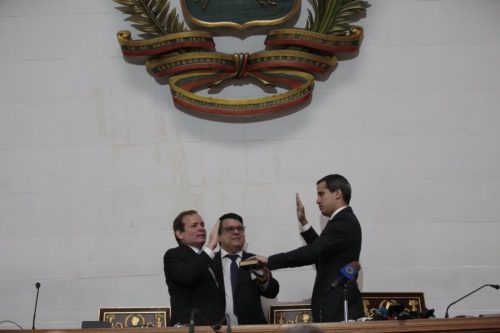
(179,234)
(338,194)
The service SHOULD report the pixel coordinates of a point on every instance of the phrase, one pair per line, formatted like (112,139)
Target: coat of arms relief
(184,54)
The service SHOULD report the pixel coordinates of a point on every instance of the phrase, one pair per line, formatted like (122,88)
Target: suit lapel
(245,256)
(217,269)
(189,252)
(348,209)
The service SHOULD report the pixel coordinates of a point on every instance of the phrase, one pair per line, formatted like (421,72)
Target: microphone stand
(37,285)
(348,285)
(228,322)
(191,320)
(346,304)
(496,286)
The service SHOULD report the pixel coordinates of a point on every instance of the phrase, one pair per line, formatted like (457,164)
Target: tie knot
(233,257)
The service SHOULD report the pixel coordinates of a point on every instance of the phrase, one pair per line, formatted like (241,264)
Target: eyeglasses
(232,229)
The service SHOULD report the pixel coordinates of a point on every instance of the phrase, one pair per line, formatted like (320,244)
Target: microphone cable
(10,321)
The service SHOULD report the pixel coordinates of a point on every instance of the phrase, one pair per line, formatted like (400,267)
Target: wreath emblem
(293,58)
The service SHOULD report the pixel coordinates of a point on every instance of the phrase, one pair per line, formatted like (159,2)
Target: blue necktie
(234,275)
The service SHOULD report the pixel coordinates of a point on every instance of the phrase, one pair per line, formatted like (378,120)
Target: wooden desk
(454,325)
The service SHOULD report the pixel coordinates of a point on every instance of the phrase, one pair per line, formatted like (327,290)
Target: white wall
(95,161)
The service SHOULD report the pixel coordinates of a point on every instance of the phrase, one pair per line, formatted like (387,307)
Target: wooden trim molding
(454,325)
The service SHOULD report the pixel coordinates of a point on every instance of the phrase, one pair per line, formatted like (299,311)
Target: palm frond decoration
(153,17)
(334,17)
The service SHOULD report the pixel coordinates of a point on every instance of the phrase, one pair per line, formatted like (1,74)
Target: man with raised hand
(336,246)
(189,273)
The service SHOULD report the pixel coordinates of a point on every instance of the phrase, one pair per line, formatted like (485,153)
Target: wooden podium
(455,325)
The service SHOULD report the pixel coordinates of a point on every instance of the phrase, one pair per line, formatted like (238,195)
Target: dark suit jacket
(337,245)
(192,285)
(248,307)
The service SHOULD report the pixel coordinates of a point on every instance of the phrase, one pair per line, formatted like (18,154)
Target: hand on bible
(261,259)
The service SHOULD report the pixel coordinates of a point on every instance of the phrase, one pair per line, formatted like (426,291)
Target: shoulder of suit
(247,254)
(346,211)
(172,250)
(182,248)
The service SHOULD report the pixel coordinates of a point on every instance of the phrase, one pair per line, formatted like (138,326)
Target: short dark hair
(179,224)
(233,216)
(337,182)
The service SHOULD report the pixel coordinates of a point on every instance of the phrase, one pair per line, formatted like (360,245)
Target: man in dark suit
(243,287)
(189,273)
(336,246)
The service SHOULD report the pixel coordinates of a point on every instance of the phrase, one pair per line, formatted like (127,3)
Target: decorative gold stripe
(291,55)
(164,44)
(303,34)
(256,105)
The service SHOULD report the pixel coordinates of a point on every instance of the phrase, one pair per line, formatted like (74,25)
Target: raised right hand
(301,212)
(213,237)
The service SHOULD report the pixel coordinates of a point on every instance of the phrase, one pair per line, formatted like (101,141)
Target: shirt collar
(195,249)
(336,212)
(223,253)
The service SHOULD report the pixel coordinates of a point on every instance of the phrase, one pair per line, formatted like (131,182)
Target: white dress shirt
(226,270)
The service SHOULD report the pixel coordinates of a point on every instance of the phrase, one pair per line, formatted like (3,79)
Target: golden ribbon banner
(300,85)
(317,41)
(189,60)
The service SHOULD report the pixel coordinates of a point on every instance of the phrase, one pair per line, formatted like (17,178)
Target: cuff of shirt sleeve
(209,252)
(263,286)
(305,227)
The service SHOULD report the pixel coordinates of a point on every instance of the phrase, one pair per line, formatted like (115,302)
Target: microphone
(347,273)
(496,286)
(37,285)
